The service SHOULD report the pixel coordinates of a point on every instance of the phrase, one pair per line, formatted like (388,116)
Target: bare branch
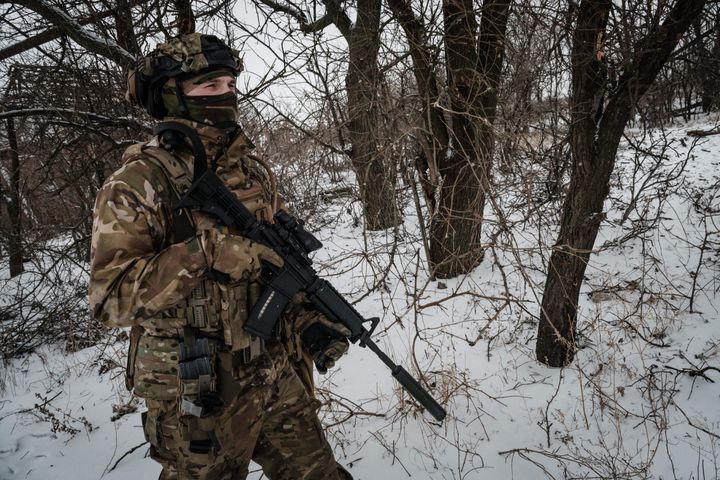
(105,47)
(295,13)
(68,113)
(339,17)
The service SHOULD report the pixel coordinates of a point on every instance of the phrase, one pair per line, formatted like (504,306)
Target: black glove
(325,340)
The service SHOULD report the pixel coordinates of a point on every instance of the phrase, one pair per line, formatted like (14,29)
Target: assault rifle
(289,239)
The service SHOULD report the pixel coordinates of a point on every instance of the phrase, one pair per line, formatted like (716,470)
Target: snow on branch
(67,112)
(105,47)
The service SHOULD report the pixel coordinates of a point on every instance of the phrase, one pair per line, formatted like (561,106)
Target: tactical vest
(212,310)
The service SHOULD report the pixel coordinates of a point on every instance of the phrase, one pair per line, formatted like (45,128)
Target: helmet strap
(184,111)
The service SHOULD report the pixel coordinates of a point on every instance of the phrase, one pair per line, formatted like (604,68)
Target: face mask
(218,110)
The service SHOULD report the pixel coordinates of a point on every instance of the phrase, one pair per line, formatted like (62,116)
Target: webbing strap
(183,227)
(200,163)
(198,310)
(135,334)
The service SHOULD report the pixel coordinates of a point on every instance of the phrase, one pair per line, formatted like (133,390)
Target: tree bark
(373,168)
(595,135)
(186,18)
(710,65)
(124,27)
(464,171)
(15,250)
(434,131)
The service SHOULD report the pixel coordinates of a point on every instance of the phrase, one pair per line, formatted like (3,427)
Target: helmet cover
(181,56)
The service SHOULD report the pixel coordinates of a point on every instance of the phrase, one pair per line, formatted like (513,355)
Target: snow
(625,408)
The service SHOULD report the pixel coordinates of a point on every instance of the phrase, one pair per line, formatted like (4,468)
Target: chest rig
(214,309)
(209,322)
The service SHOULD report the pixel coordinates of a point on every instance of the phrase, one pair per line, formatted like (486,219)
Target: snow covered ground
(632,405)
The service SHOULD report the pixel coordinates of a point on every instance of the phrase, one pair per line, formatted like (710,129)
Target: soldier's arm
(134,275)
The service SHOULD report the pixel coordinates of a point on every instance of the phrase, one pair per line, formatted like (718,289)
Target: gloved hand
(235,256)
(326,341)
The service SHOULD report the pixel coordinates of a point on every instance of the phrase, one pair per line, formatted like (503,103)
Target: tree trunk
(434,131)
(464,171)
(455,227)
(14,207)
(185,17)
(124,27)
(709,67)
(373,168)
(595,136)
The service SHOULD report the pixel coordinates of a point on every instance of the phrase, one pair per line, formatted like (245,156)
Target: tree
(374,169)
(600,110)
(458,139)
(709,61)
(14,207)
(63,127)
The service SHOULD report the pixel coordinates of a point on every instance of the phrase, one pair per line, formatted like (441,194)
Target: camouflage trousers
(270,418)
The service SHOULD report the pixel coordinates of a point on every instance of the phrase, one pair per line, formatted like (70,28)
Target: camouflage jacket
(140,275)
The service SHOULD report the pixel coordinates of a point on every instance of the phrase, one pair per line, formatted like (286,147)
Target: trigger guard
(268,271)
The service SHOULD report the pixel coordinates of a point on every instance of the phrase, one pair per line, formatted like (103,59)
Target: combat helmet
(187,54)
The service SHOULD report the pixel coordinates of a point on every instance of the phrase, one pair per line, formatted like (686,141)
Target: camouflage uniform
(144,277)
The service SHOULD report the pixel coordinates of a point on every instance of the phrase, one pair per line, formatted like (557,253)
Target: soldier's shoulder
(143,159)
(141,173)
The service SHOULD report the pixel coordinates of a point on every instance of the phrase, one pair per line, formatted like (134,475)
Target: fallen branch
(695,372)
(353,409)
(474,295)
(715,435)
(125,455)
(391,451)
(703,133)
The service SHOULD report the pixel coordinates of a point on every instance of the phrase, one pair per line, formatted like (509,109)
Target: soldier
(217,397)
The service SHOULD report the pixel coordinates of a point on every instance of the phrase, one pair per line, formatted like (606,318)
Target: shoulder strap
(182,223)
(200,164)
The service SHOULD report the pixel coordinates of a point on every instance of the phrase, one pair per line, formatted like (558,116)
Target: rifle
(289,239)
